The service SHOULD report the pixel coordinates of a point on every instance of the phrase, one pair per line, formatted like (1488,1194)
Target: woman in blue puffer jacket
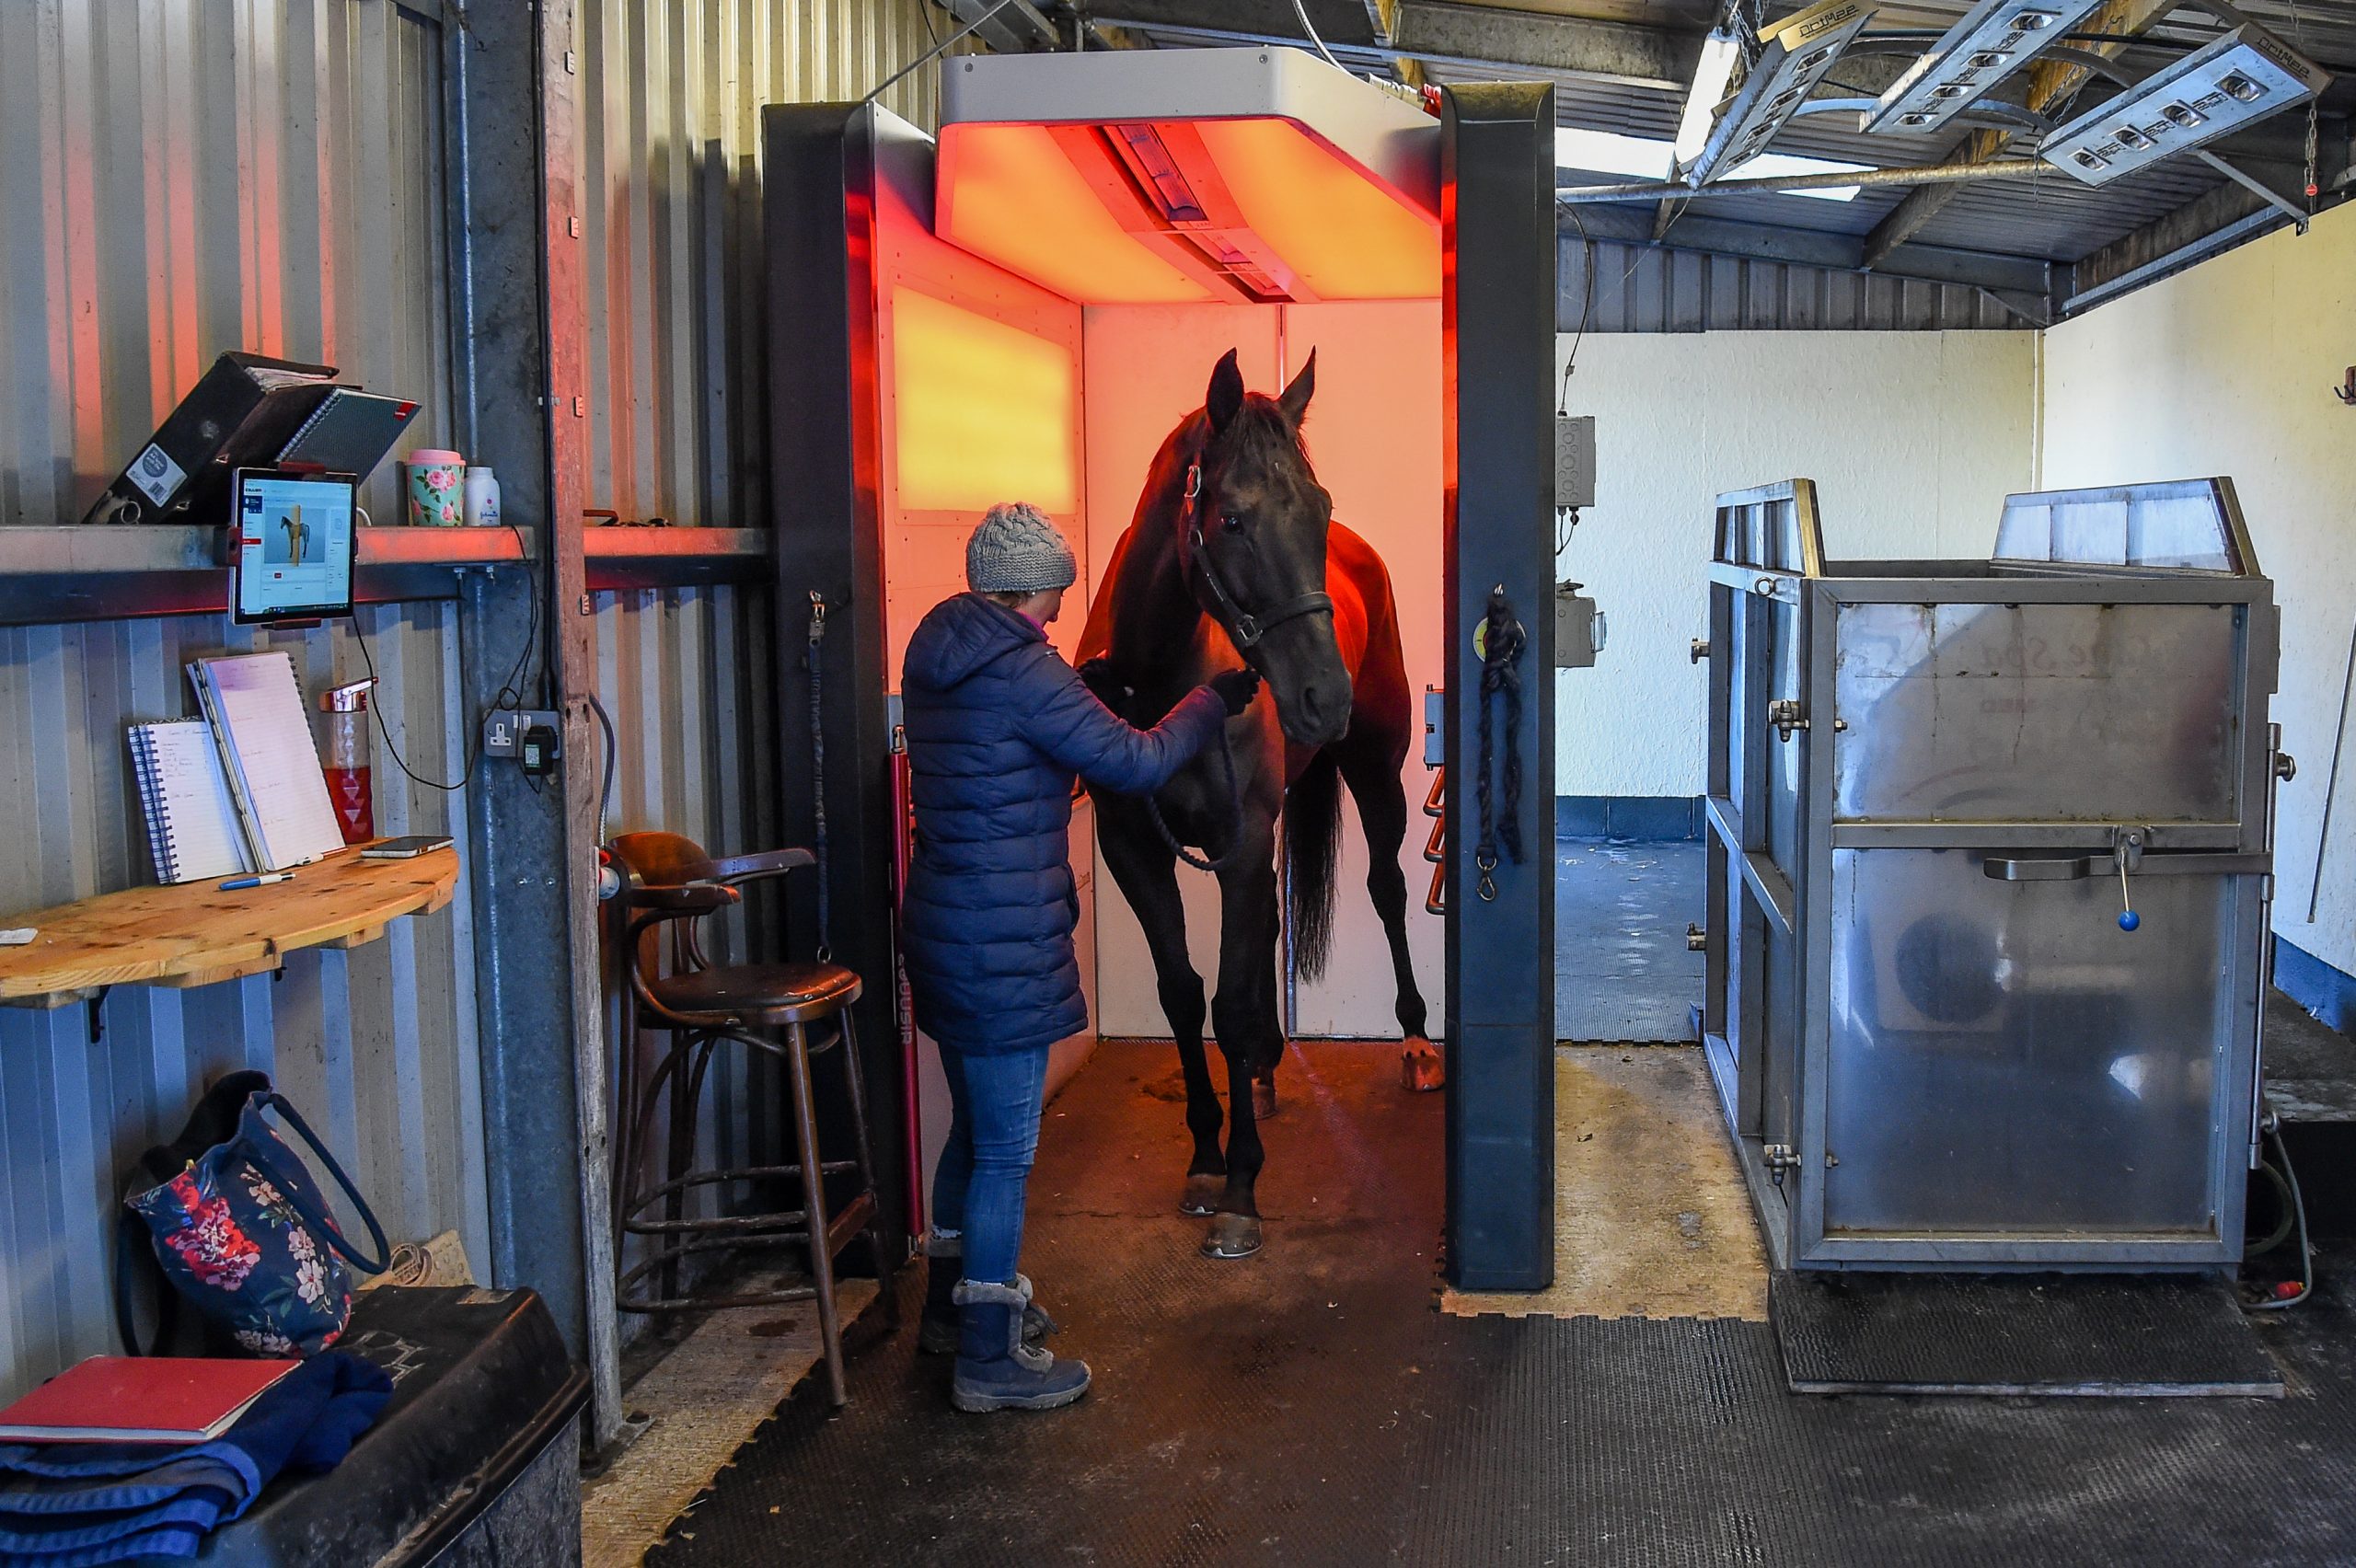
(998,724)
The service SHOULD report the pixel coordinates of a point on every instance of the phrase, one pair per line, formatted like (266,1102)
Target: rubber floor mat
(1309,1406)
(2075,1335)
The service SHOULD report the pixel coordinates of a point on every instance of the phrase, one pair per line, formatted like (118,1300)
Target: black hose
(2299,1214)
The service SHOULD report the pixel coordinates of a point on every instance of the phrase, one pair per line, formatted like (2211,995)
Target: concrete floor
(1622,969)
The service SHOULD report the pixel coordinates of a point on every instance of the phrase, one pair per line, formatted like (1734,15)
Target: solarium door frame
(822,165)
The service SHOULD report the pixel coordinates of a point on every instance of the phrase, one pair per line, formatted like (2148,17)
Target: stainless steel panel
(2005,1060)
(2188,524)
(1985,713)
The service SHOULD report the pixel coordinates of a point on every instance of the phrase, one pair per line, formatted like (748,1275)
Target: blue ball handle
(2128,921)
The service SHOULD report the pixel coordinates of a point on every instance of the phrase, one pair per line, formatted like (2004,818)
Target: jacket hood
(962,635)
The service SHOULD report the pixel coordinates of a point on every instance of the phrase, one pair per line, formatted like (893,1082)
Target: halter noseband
(1246,629)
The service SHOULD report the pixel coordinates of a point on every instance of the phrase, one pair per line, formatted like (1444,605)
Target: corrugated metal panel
(673,675)
(671,96)
(266,176)
(185,178)
(375,1043)
(1654,289)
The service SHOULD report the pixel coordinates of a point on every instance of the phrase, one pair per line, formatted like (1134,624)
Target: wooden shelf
(195,934)
(96,571)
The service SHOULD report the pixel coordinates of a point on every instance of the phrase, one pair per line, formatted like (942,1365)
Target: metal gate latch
(1696,939)
(1778,1159)
(1787,715)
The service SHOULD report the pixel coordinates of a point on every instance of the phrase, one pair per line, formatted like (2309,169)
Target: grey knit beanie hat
(1016,551)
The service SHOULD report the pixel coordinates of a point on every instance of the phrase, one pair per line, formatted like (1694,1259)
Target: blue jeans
(994,1104)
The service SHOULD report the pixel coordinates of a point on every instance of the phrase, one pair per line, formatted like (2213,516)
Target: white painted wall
(2227,369)
(1913,439)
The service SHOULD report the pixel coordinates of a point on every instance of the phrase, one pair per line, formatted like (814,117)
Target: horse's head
(1253,537)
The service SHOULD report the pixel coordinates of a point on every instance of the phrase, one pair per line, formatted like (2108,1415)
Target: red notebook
(125,1399)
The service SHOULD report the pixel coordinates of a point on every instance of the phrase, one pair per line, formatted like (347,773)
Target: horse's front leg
(1243,1016)
(1146,874)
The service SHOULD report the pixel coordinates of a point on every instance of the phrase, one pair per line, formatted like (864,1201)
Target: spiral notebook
(256,708)
(191,821)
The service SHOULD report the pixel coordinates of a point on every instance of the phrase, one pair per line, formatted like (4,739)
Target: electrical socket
(504,729)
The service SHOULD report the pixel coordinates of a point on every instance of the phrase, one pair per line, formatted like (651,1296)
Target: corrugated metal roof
(2048,219)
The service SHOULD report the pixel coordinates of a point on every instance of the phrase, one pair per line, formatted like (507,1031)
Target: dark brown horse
(1233,556)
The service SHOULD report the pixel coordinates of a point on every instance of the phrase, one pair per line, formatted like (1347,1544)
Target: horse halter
(1246,629)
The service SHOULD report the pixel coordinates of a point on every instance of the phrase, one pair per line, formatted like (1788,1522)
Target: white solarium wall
(1912,438)
(2228,369)
(1373,432)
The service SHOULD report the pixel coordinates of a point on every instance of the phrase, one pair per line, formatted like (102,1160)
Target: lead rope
(1502,641)
(818,777)
(1235,816)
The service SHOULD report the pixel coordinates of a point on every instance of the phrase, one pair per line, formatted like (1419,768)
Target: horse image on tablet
(1233,556)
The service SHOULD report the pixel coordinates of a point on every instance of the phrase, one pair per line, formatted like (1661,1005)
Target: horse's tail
(1312,849)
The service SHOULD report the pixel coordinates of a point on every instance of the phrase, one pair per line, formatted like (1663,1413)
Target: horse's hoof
(1232,1235)
(1201,1196)
(1421,1068)
(1264,1099)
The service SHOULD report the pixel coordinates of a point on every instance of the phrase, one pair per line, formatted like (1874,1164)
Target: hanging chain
(818,778)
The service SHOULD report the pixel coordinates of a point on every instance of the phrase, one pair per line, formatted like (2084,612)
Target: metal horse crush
(1989,876)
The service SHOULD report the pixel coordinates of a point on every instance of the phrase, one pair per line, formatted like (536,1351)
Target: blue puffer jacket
(997,725)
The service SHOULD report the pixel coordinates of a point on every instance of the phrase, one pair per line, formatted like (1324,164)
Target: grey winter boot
(936,1328)
(995,1369)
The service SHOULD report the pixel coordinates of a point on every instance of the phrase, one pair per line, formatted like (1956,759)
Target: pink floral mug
(437,482)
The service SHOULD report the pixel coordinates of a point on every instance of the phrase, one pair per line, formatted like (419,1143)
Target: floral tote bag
(241,1230)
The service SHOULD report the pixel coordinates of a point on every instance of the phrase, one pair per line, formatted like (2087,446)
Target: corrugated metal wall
(1643,288)
(375,1043)
(670,97)
(671,223)
(183,176)
(188,175)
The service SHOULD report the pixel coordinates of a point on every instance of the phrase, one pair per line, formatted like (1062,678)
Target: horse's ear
(1225,398)
(1296,395)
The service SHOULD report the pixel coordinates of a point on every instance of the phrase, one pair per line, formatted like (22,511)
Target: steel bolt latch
(1698,651)
(1787,715)
(1696,939)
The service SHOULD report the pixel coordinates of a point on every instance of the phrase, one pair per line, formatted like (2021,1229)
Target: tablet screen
(294,544)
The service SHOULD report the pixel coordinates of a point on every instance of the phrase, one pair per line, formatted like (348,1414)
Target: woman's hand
(1235,688)
(1109,689)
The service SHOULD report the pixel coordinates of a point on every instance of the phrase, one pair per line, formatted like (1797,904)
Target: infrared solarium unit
(989,315)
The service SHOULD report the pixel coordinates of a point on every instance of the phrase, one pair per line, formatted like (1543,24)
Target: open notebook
(191,821)
(256,708)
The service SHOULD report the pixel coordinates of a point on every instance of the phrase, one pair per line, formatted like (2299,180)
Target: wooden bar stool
(791,1012)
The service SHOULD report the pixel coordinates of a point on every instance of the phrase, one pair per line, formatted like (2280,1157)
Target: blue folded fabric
(83,1504)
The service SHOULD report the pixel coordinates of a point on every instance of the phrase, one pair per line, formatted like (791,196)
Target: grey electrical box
(1575,459)
(1579,627)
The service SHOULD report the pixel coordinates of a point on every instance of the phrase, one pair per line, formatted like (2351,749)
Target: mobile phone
(407,848)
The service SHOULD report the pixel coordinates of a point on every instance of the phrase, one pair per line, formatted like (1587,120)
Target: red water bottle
(347,762)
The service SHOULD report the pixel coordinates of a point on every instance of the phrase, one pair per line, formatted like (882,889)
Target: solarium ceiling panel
(1229,175)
